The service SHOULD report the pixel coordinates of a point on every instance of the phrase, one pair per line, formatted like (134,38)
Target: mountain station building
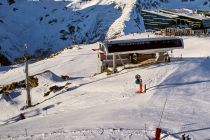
(161,19)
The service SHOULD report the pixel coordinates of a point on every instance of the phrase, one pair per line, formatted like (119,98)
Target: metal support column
(114,63)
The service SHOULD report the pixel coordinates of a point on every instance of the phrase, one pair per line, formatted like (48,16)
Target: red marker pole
(157,134)
(140,88)
(139,82)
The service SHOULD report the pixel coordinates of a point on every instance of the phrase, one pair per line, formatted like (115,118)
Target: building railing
(181,32)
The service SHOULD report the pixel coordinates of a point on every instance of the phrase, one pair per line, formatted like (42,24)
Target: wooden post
(145,88)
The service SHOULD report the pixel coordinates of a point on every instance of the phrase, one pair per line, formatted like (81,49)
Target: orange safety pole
(141,88)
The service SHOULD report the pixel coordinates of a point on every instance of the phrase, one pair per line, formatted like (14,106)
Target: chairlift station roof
(142,45)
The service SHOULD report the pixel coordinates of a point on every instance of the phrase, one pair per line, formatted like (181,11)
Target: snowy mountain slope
(47,25)
(129,22)
(107,107)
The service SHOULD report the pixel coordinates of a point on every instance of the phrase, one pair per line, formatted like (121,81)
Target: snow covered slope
(107,107)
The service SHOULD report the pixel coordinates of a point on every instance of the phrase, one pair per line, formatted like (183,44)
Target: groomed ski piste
(106,107)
